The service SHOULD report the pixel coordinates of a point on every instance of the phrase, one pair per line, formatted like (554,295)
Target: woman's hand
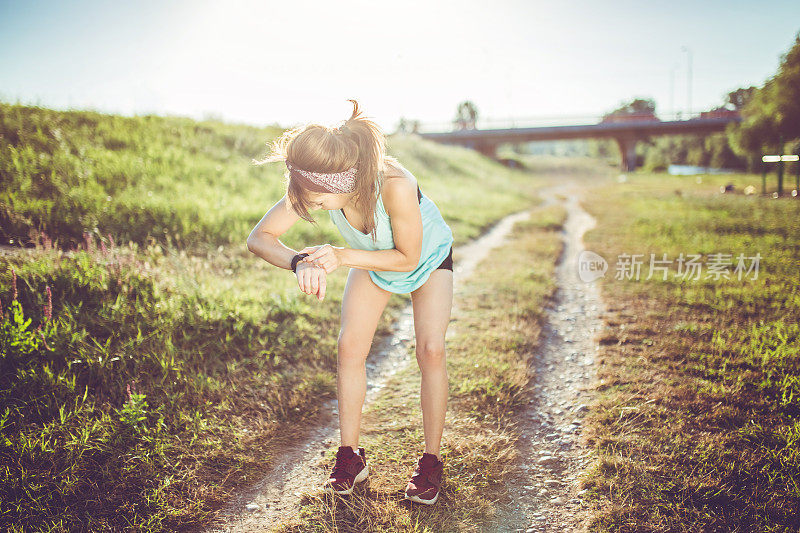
(325,255)
(312,279)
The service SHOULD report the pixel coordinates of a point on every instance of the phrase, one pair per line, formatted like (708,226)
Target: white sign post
(780,159)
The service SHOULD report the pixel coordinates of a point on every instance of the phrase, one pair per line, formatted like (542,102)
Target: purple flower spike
(14,282)
(48,311)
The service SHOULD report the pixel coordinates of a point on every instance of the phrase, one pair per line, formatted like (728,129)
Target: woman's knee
(431,353)
(351,349)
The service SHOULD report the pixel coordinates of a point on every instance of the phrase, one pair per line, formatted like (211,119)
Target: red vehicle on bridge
(720,112)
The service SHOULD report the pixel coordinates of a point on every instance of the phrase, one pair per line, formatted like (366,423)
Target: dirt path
(544,492)
(297,470)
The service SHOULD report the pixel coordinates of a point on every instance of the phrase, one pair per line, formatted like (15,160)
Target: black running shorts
(448,261)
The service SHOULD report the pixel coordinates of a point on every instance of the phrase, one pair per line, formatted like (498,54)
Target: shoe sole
(361,476)
(420,500)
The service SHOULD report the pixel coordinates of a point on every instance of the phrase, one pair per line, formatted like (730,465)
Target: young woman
(397,242)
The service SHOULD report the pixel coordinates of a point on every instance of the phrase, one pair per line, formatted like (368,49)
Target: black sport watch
(297,258)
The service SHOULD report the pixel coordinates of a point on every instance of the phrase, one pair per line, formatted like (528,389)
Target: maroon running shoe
(350,468)
(424,484)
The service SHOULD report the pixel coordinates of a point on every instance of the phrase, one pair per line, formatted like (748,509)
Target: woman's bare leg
(362,306)
(432,303)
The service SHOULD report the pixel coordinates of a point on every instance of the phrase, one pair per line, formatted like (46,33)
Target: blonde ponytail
(357,142)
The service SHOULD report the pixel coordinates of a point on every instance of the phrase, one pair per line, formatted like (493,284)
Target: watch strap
(296,258)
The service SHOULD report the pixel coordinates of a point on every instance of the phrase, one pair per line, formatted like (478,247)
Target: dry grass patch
(697,422)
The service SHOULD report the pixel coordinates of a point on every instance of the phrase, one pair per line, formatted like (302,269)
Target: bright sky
(297,61)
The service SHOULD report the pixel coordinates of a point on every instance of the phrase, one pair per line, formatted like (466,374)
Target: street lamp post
(688,78)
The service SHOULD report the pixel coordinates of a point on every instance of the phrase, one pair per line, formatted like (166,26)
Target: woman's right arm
(263,239)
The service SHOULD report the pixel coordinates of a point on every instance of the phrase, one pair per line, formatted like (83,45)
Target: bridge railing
(540,121)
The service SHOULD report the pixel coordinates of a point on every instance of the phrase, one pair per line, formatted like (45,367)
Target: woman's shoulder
(396,171)
(396,179)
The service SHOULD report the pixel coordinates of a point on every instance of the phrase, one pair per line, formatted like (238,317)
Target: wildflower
(48,311)
(111,240)
(47,243)
(2,315)
(41,334)
(131,390)
(14,283)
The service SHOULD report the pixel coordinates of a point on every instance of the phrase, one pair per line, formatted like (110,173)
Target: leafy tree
(402,125)
(739,98)
(638,106)
(466,115)
(772,111)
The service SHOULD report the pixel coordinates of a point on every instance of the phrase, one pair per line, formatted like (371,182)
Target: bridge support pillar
(627,150)
(489,150)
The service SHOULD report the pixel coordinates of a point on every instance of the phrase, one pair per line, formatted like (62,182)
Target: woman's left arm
(401,203)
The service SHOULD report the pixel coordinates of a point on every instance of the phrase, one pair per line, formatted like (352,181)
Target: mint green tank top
(437,238)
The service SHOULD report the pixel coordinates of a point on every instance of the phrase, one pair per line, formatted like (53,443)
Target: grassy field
(146,354)
(697,423)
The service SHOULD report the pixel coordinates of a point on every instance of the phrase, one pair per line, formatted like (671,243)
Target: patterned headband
(336,182)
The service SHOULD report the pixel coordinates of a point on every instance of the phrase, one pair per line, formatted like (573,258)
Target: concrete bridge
(625,132)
